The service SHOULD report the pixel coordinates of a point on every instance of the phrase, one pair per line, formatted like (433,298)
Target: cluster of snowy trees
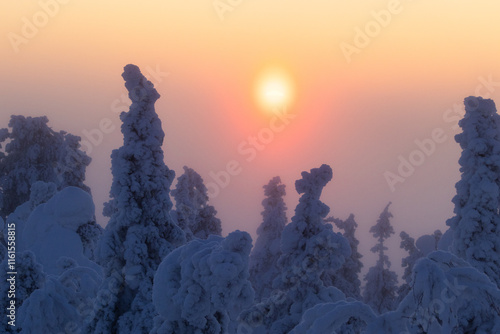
(160,269)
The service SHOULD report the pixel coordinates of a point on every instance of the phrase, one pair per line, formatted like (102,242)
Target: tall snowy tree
(193,213)
(408,244)
(34,152)
(266,252)
(140,232)
(476,224)
(201,287)
(347,277)
(381,283)
(308,247)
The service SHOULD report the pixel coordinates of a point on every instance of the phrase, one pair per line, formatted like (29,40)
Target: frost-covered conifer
(35,152)
(346,278)
(63,304)
(476,224)
(140,232)
(450,296)
(202,286)
(72,163)
(193,213)
(308,247)
(408,244)
(381,283)
(266,252)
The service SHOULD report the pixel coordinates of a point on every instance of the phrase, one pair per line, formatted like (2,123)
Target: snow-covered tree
(202,286)
(63,304)
(34,152)
(30,277)
(476,224)
(90,233)
(381,283)
(308,247)
(347,277)
(72,163)
(450,296)
(266,252)
(193,213)
(408,244)
(140,232)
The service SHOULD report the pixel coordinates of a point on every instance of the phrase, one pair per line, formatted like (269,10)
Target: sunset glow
(252,90)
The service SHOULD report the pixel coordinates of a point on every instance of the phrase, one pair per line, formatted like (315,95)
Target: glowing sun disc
(274,89)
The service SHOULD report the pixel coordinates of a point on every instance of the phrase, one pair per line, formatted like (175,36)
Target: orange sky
(357,113)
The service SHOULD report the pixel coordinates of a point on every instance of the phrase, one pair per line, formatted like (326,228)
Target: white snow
(202,287)
(50,231)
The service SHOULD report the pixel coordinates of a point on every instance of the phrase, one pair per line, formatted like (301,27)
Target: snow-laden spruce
(266,252)
(381,283)
(140,232)
(34,152)
(449,296)
(347,277)
(309,247)
(63,304)
(408,244)
(192,212)
(476,224)
(201,287)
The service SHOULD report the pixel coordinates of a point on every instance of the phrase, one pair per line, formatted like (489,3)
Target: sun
(274,89)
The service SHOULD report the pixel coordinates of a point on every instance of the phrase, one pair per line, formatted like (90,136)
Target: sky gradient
(408,67)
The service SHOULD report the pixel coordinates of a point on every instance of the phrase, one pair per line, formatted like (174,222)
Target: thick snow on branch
(202,286)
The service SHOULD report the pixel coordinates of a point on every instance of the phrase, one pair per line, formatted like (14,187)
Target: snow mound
(204,284)
(426,244)
(71,207)
(449,295)
(339,317)
(50,231)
